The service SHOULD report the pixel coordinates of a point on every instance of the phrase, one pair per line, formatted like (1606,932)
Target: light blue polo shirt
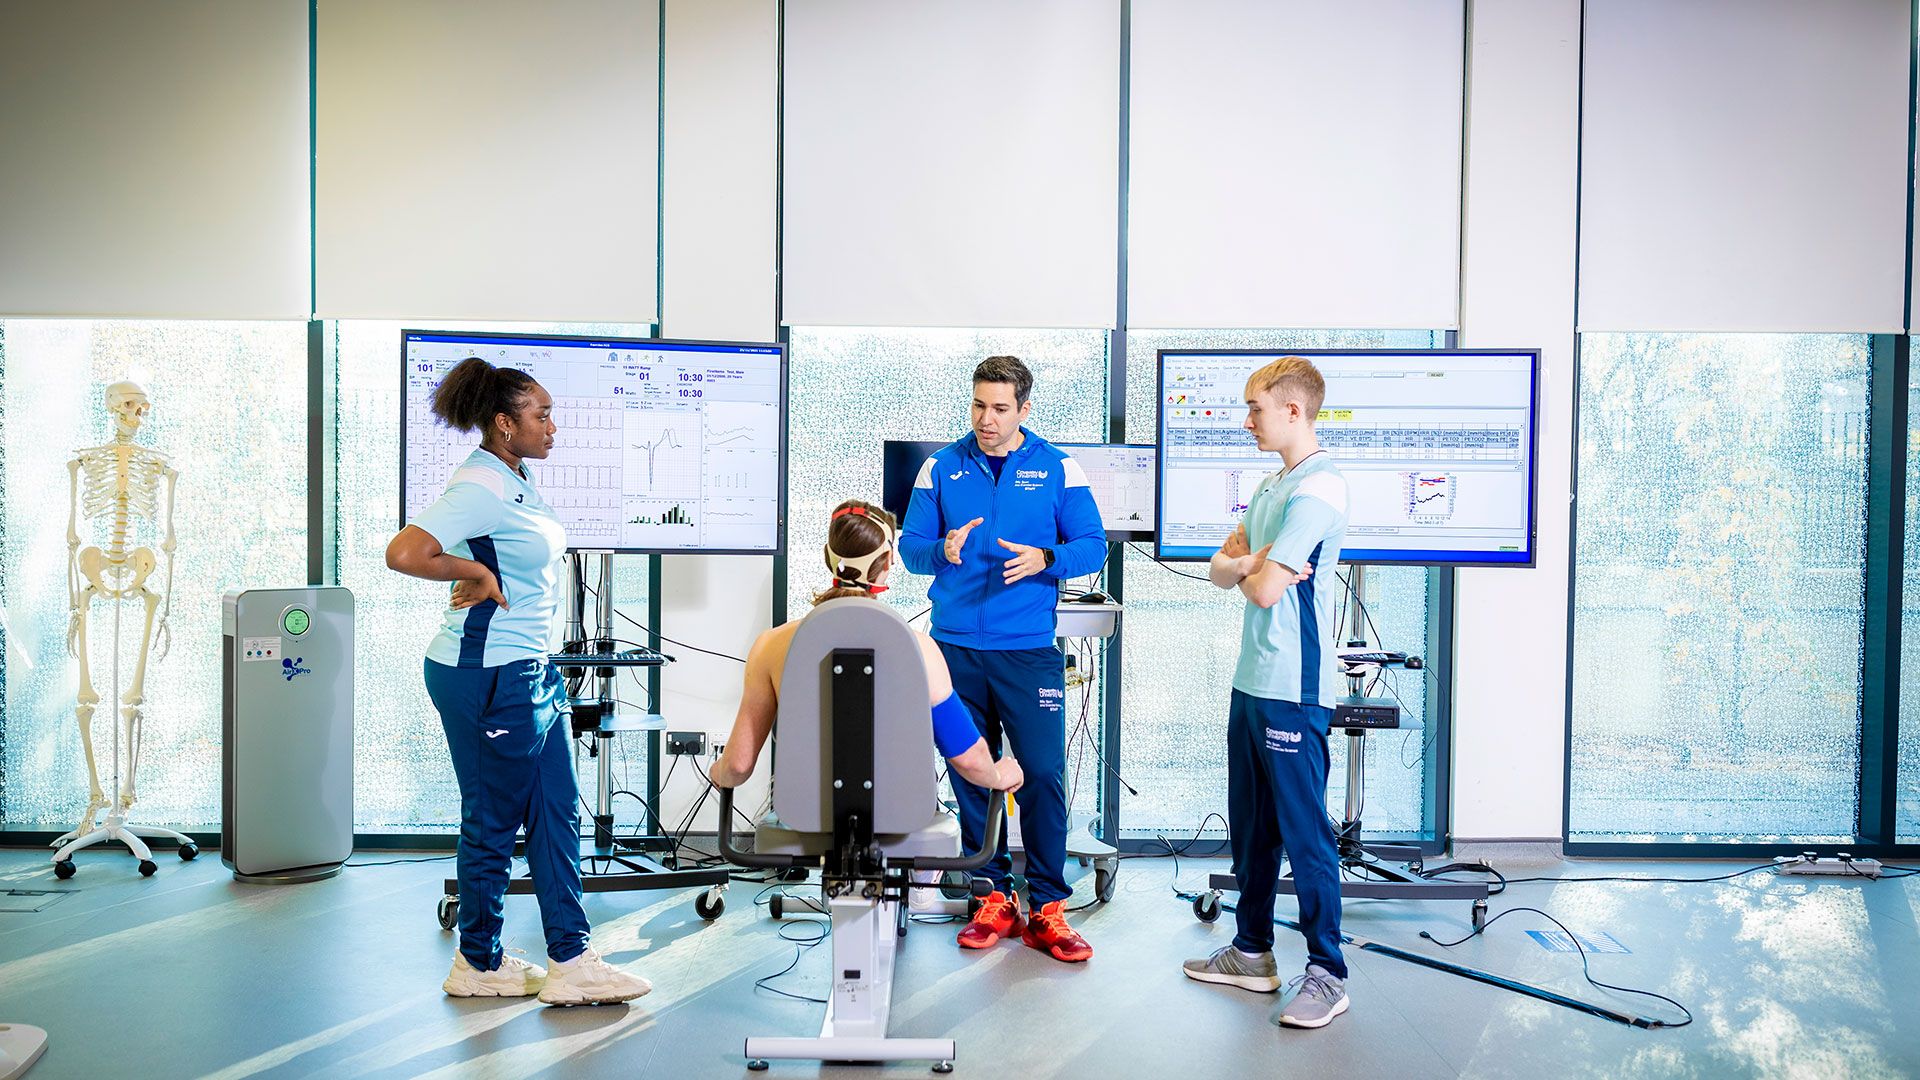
(1287,650)
(493,515)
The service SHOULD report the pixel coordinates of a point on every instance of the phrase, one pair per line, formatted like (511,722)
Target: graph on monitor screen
(660,445)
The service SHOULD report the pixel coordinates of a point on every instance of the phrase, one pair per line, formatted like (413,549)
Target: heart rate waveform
(1429,496)
(662,457)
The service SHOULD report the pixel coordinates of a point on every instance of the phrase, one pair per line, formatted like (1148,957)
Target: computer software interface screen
(1437,447)
(662,446)
(1122,479)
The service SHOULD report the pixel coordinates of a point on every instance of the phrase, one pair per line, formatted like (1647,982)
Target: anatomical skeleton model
(116,486)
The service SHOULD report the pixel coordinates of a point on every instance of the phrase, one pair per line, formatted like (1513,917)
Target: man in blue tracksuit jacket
(993,596)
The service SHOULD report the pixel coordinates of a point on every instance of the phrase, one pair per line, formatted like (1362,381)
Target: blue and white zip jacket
(1041,500)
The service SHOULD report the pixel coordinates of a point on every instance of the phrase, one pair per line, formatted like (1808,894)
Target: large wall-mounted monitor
(1437,446)
(662,447)
(1123,479)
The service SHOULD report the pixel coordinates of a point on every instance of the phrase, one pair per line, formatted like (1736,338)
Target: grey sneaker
(1321,997)
(1235,968)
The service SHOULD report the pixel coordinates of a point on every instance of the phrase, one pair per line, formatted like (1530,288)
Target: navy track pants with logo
(1018,697)
(508,733)
(1276,796)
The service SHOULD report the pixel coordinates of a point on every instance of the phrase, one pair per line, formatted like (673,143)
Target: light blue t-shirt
(1287,650)
(492,515)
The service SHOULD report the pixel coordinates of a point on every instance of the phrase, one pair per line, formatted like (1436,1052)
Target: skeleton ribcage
(103,494)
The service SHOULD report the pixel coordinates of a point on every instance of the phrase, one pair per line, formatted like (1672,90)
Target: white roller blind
(488,160)
(951,164)
(1743,165)
(155,159)
(1295,163)
(722,169)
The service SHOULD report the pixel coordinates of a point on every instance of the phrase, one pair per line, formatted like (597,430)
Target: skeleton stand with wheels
(117,484)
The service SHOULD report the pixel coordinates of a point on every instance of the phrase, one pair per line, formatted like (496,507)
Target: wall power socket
(686,742)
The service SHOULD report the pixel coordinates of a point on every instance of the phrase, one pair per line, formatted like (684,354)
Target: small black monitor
(901,462)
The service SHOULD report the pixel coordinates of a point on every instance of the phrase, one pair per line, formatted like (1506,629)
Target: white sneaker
(588,980)
(513,978)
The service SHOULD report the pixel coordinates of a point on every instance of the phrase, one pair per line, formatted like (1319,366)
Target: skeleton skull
(128,404)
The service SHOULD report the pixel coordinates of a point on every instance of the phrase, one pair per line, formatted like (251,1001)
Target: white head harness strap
(859,568)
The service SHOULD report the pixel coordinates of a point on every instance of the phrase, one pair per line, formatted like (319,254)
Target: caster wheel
(448,911)
(1103,884)
(64,869)
(776,905)
(756,1065)
(1479,915)
(1206,907)
(147,867)
(943,1067)
(188,851)
(710,904)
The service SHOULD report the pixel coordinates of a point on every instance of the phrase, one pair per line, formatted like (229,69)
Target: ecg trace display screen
(1437,447)
(662,446)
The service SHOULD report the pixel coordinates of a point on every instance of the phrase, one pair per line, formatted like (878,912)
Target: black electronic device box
(1366,712)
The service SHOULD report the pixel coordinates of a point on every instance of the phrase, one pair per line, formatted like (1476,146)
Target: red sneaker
(1048,930)
(998,917)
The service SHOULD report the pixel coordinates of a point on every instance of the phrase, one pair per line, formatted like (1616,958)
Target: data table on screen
(1436,446)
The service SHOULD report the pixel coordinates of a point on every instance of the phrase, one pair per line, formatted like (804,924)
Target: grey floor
(191,974)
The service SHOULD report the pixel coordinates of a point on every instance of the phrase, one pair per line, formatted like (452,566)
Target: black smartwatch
(1049,552)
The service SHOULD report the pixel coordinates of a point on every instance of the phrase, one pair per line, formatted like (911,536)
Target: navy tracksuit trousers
(1018,694)
(1276,796)
(508,734)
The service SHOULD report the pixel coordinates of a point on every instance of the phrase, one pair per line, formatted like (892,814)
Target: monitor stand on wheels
(595,711)
(1368,871)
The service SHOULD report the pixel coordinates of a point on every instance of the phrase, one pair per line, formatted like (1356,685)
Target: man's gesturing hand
(1026,561)
(958,537)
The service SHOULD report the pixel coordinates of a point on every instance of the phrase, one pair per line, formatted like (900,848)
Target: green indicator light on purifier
(296,622)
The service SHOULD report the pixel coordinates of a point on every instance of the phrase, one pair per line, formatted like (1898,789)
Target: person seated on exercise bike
(860,553)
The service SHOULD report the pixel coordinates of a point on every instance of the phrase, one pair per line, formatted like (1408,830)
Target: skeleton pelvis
(127,574)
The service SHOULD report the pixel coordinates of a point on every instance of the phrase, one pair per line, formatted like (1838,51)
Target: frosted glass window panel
(1907,789)
(1744,165)
(487,160)
(403,779)
(159,159)
(1183,642)
(851,389)
(229,405)
(1718,586)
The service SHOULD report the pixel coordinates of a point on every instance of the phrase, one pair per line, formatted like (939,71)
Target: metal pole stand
(596,713)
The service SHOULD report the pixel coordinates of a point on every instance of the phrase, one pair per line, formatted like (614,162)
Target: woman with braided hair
(501,703)
(860,553)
